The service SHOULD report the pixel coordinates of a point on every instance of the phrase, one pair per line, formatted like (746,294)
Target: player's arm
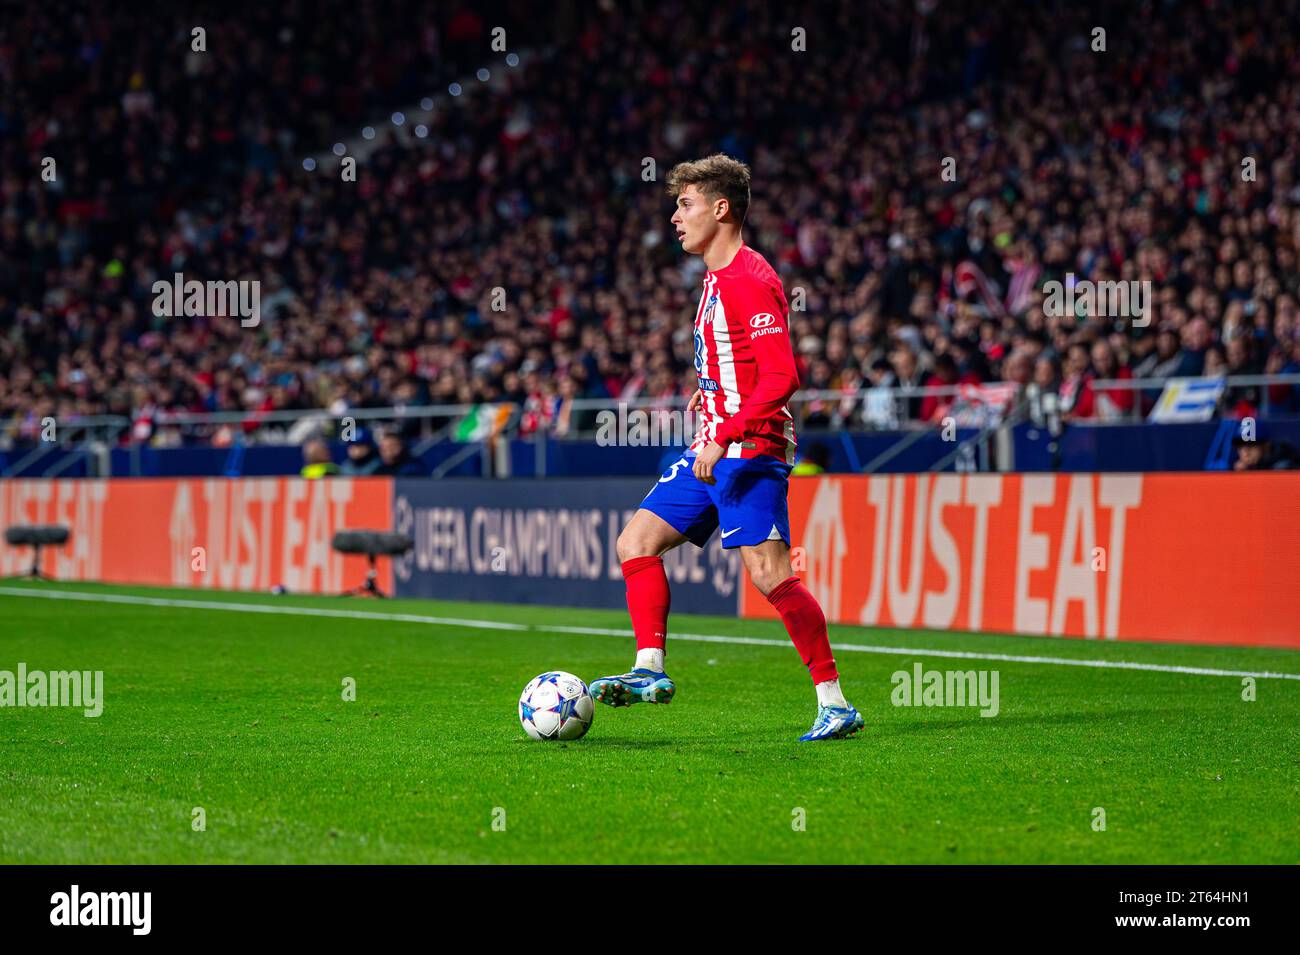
(777,381)
(778,376)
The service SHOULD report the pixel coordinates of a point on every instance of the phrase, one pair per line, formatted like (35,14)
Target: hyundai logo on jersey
(762,320)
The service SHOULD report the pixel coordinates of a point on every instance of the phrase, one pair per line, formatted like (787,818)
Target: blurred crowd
(1170,157)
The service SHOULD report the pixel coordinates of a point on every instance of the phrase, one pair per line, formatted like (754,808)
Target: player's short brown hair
(718,177)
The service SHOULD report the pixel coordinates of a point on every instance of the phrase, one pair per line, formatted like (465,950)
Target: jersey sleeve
(761,310)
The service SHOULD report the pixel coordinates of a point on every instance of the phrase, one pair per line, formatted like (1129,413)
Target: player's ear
(721,208)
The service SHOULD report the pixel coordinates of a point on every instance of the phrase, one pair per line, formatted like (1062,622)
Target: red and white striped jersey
(744,361)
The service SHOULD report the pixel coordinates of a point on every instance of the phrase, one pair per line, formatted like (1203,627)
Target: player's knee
(766,573)
(631,545)
(766,580)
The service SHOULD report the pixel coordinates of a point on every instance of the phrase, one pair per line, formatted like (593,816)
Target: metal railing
(1155,385)
(99,434)
(886,408)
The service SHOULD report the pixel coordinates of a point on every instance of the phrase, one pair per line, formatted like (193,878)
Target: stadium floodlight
(36,536)
(373,544)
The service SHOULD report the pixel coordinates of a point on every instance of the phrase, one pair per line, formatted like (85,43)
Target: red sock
(806,623)
(647,600)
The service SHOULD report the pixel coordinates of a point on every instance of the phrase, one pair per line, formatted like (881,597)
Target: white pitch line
(604,632)
(258,608)
(955,654)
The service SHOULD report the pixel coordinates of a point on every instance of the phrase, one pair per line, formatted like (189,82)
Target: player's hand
(705,460)
(695,402)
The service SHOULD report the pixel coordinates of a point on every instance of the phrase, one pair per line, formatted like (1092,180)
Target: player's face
(695,220)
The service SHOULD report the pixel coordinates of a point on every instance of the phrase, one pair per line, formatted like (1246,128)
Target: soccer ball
(556,705)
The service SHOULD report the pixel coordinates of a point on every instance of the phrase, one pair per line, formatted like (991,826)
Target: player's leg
(641,546)
(752,510)
(769,568)
(677,509)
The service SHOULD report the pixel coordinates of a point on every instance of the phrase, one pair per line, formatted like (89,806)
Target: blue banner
(542,542)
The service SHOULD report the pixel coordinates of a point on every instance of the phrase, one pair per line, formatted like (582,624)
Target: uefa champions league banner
(542,542)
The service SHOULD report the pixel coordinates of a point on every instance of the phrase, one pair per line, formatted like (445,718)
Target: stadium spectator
(1241,401)
(1047,374)
(1076,385)
(396,460)
(363,458)
(317,462)
(1165,361)
(906,374)
(816,460)
(1019,368)
(1105,404)
(1264,454)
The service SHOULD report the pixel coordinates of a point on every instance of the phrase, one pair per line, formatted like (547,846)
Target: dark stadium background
(1123,164)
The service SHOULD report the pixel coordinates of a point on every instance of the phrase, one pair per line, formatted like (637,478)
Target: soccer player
(736,472)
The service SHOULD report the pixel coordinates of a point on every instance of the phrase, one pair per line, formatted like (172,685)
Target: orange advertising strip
(1199,558)
(223,533)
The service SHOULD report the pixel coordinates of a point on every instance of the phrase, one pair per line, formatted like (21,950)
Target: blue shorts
(748,501)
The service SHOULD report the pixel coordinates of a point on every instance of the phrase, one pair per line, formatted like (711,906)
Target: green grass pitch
(243,714)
